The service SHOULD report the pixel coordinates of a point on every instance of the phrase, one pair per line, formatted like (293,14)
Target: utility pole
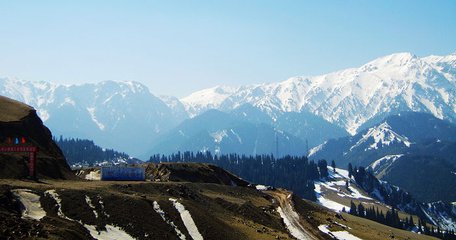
(277,145)
(307,149)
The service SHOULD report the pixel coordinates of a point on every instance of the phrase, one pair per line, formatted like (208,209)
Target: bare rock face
(18,120)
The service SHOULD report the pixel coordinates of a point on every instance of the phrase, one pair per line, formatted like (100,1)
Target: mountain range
(126,116)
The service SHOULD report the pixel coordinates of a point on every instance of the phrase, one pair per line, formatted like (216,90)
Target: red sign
(18,149)
(32,156)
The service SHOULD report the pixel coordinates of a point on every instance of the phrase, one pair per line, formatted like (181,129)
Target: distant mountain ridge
(120,115)
(127,117)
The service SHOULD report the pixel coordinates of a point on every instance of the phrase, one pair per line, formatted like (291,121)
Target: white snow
(89,202)
(218,136)
(327,202)
(384,162)
(58,200)
(316,149)
(206,99)
(262,187)
(348,97)
(382,135)
(31,203)
(341,235)
(111,233)
(294,230)
(380,161)
(93,175)
(237,136)
(187,219)
(292,221)
(91,111)
(169,222)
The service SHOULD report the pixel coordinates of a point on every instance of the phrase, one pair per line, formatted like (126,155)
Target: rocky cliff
(18,120)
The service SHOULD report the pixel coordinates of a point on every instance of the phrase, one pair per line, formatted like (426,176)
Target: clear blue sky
(177,47)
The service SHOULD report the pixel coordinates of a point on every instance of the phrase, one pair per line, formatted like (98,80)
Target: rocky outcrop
(193,172)
(18,120)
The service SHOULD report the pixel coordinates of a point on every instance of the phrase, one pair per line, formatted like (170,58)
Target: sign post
(32,156)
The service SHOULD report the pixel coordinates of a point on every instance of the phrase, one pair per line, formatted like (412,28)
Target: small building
(123,173)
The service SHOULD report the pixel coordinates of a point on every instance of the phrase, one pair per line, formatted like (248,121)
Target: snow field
(31,203)
(294,230)
(169,222)
(187,219)
(341,235)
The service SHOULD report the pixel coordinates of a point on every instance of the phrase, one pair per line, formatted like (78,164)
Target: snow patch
(111,233)
(187,219)
(91,111)
(262,187)
(341,235)
(31,203)
(93,175)
(89,202)
(219,135)
(169,222)
(382,135)
(53,194)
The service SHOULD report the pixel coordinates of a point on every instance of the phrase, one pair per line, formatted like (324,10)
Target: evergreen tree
(350,170)
(353,210)
(323,167)
(361,210)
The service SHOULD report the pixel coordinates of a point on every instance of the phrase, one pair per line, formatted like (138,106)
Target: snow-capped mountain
(380,136)
(120,115)
(349,98)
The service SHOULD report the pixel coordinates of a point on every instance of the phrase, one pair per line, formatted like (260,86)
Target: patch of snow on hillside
(341,235)
(187,219)
(289,223)
(317,149)
(262,187)
(237,136)
(327,202)
(100,125)
(111,233)
(54,195)
(384,162)
(219,135)
(43,114)
(162,214)
(385,158)
(89,202)
(93,175)
(381,135)
(31,202)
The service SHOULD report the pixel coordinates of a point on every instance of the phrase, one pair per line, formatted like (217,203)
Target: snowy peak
(206,99)
(380,136)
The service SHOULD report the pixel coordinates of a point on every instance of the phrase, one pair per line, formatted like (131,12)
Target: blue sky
(177,47)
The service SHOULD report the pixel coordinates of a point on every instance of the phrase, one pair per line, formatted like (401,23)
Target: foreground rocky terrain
(56,209)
